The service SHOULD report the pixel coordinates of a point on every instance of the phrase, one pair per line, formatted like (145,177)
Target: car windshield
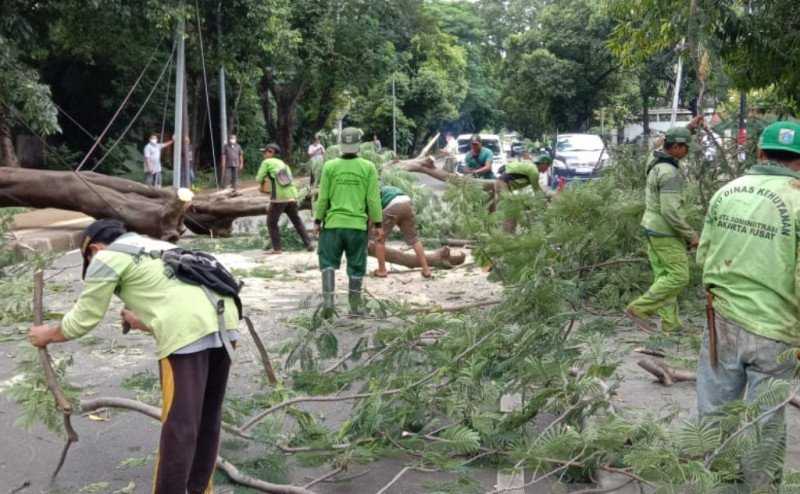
(581,142)
(493,145)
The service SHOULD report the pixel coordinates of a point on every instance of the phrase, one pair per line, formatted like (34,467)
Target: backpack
(199,269)
(283,177)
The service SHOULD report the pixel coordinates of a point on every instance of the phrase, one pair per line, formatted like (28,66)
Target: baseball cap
(351,140)
(272,146)
(103,231)
(475,139)
(678,135)
(781,136)
(544,158)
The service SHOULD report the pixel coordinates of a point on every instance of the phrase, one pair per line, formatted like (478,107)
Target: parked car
(491,141)
(516,149)
(579,157)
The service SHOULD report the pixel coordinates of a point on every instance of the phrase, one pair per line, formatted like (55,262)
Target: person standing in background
(152,161)
(232,162)
(316,153)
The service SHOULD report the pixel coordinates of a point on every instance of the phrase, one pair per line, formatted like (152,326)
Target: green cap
(544,158)
(678,135)
(781,136)
(351,140)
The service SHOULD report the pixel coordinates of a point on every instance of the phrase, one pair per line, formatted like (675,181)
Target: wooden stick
(666,375)
(262,351)
(459,308)
(257,484)
(49,374)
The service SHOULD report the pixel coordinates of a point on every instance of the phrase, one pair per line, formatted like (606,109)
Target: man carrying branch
(193,362)
(667,232)
(749,255)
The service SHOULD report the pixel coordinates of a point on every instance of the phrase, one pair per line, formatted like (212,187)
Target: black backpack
(198,268)
(195,268)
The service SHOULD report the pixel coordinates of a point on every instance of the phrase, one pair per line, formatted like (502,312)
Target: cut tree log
(440,258)
(158,213)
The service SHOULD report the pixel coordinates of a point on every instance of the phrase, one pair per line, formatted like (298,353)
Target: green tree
(556,76)
(23,97)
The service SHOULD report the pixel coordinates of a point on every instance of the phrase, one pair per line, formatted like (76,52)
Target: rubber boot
(328,293)
(354,295)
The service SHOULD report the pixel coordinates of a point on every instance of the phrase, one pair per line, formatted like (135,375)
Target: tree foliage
(558,74)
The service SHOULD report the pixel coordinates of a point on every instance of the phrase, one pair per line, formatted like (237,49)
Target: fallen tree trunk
(426,166)
(440,258)
(155,212)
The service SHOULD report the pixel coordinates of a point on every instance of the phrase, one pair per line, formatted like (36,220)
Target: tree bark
(154,212)
(440,258)
(8,156)
(425,165)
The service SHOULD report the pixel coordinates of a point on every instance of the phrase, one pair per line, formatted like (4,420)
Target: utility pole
(177,137)
(223,104)
(394,115)
(677,89)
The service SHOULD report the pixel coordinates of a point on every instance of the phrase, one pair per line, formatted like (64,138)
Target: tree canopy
(297,68)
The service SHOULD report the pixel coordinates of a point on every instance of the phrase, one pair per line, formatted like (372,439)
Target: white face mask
(233,140)
(154,141)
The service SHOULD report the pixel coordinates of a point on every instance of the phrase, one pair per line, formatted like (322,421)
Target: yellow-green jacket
(749,252)
(178,313)
(664,210)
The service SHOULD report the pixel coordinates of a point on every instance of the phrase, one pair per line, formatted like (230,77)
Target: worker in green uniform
(667,232)
(749,255)
(478,161)
(521,174)
(191,345)
(398,211)
(348,200)
(283,197)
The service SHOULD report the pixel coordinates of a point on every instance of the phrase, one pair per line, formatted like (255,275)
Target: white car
(579,157)
(491,141)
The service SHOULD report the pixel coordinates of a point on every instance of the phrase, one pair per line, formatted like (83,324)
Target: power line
(208,103)
(119,110)
(139,112)
(22,120)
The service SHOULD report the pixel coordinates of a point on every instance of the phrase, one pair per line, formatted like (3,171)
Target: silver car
(579,157)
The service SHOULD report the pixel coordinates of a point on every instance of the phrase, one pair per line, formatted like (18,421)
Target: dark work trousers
(193,388)
(231,178)
(276,209)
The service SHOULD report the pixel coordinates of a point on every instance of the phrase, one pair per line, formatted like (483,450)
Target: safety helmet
(781,136)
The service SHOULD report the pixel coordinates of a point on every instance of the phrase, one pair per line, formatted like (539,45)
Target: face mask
(153,141)
(233,141)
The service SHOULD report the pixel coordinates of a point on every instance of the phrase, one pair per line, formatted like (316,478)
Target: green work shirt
(664,210)
(178,313)
(269,169)
(749,252)
(528,170)
(475,162)
(389,194)
(348,194)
